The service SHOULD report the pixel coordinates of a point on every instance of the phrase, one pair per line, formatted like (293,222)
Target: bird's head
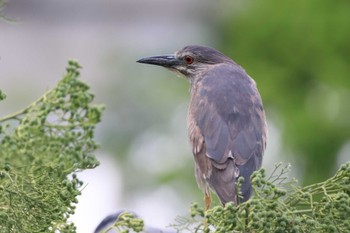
(189,61)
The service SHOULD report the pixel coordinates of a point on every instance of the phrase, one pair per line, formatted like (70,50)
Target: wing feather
(230,117)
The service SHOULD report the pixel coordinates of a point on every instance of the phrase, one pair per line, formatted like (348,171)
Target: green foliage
(280,205)
(2,95)
(298,52)
(126,222)
(42,147)
(2,5)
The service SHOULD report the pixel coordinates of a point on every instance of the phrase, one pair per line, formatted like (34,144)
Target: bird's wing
(228,111)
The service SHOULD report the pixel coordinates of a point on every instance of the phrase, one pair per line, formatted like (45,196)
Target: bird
(226,120)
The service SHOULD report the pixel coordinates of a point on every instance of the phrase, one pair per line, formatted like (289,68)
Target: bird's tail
(223,181)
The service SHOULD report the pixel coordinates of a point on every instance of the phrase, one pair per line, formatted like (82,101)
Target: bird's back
(227,129)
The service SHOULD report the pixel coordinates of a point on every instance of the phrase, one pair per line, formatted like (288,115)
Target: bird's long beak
(168,61)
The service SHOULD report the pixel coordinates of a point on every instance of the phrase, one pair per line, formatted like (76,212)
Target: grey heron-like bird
(226,120)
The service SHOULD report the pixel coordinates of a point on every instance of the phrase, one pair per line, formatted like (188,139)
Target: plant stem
(25,110)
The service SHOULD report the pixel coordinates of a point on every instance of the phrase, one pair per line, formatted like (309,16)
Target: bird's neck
(194,81)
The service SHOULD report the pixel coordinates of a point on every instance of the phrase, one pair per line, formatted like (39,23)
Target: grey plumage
(226,121)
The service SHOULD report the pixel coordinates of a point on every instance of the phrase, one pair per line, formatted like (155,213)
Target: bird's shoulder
(227,77)
(229,91)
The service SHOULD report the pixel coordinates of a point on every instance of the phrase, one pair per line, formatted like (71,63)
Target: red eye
(188,59)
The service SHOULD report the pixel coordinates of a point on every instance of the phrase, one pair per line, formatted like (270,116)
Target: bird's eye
(188,59)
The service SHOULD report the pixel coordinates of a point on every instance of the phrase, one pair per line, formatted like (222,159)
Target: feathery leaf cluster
(280,205)
(42,147)
(2,6)
(125,222)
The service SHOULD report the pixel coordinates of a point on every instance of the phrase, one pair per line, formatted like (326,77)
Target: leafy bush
(42,147)
(2,6)
(280,205)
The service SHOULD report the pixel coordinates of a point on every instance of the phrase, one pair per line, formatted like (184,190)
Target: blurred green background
(297,51)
